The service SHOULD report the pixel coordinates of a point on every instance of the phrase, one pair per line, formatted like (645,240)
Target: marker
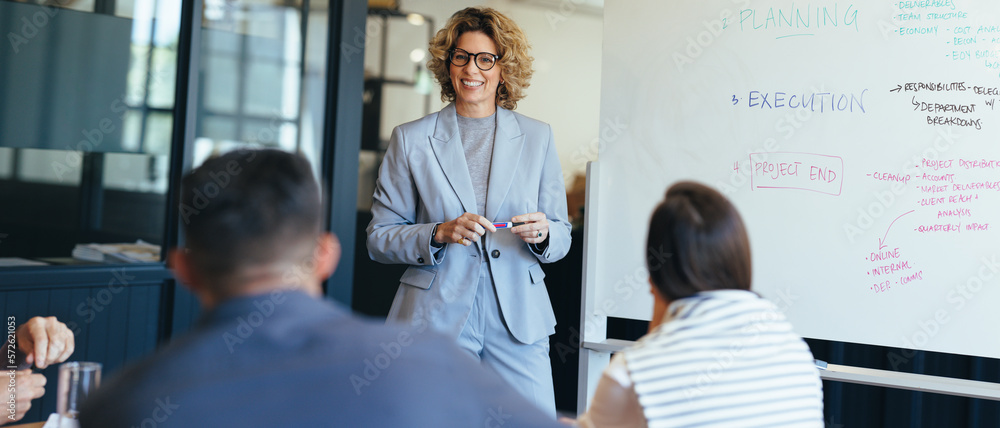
(509,224)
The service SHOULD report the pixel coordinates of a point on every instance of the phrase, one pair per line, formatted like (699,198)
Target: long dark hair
(697,242)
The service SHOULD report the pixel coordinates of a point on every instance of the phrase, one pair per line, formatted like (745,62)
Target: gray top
(477,140)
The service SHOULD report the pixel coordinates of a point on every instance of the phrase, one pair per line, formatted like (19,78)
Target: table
(31,425)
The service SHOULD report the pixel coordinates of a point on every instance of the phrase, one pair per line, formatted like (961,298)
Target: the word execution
(816,102)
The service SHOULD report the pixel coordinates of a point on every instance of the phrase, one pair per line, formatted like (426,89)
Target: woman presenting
(444,181)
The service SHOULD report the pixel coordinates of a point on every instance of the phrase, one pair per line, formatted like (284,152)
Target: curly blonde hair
(514,63)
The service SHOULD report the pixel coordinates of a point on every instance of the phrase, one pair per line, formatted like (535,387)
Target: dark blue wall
(118,313)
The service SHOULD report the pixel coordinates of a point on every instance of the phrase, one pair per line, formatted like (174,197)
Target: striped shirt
(720,358)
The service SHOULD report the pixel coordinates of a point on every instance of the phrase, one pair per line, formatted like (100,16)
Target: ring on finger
(539,234)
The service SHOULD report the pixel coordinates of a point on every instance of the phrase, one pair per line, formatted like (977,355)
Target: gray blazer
(424,180)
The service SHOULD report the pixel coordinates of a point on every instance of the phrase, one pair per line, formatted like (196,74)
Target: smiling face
(475,89)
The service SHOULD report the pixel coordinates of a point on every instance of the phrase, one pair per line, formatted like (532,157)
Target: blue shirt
(286,359)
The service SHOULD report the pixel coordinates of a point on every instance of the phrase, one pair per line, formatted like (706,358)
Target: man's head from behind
(252,223)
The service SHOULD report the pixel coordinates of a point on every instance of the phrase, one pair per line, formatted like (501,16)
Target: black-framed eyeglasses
(484,60)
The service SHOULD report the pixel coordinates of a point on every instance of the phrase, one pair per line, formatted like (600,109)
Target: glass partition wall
(86,107)
(262,77)
(87,110)
(105,104)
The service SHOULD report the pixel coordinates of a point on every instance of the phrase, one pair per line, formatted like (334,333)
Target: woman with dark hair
(445,180)
(716,354)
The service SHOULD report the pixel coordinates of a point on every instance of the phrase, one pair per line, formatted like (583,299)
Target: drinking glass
(77,380)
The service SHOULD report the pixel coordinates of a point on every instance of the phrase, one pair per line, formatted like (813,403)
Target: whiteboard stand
(912,381)
(593,324)
(861,375)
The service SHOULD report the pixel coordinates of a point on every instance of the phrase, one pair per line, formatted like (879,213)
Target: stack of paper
(56,421)
(17,261)
(139,252)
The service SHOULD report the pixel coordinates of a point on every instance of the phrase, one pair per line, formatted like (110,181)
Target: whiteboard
(859,141)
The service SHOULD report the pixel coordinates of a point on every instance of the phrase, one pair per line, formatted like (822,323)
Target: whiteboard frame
(596,348)
(593,326)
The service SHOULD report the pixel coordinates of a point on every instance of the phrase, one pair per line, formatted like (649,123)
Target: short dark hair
(249,208)
(697,242)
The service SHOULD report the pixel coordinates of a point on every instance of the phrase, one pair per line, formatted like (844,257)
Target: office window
(86,114)
(262,84)
(57,167)
(87,104)
(6,163)
(398,87)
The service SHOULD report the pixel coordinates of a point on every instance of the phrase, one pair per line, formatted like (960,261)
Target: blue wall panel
(114,328)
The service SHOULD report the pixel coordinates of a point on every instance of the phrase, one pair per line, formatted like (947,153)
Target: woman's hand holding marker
(463,230)
(534,228)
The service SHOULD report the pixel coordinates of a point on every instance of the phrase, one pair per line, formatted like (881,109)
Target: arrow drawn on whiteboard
(898,87)
(881,242)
